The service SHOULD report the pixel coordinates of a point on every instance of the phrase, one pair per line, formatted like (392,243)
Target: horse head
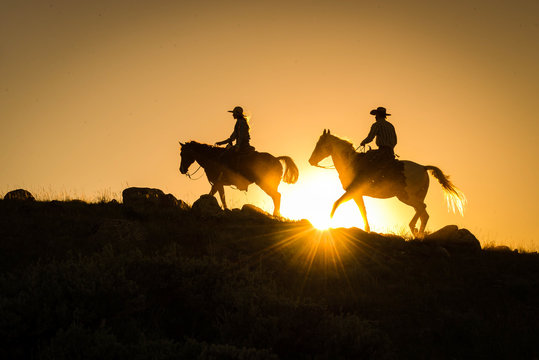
(322,148)
(187,156)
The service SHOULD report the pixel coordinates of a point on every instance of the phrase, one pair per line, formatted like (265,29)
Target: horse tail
(454,197)
(291,172)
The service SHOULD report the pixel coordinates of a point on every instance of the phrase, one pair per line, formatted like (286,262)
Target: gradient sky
(95,95)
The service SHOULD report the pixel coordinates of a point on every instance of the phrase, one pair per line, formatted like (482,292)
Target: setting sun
(314,194)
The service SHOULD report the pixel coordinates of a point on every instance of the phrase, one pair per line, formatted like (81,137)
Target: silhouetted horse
(411,191)
(262,168)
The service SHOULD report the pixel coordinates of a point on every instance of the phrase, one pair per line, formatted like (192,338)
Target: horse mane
(345,143)
(204,148)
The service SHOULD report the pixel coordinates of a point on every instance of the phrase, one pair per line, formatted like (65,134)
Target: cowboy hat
(380,110)
(237,110)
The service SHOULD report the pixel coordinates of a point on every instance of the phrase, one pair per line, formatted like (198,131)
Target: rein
(330,167)
(189,175)
(362,148)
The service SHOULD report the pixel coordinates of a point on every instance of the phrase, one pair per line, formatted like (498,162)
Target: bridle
(190,175)
(332,167)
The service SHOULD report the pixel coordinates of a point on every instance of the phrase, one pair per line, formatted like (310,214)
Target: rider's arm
(232,137)
(226,141)
(223,142)
(371,135)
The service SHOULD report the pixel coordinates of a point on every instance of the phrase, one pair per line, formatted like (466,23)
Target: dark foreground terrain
(106,281)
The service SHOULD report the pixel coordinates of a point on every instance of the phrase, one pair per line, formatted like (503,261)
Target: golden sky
(94,95)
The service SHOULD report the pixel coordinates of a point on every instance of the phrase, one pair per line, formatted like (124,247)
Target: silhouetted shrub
(83,281)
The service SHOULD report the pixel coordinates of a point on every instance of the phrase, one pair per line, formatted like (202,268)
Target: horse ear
(324,133)
(329,132)
(181,144)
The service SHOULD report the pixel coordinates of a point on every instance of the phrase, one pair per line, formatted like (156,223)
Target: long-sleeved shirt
(240,133)
(384,132)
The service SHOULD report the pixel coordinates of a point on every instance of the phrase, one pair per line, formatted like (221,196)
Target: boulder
(207,205)
(148,198)
(500,248)
(447,232)
(137,196)
(454,240)
(170,201)
(19,195)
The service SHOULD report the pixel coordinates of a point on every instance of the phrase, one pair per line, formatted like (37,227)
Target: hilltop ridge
(180,281)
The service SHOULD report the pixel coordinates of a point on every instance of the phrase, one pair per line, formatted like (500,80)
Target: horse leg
(276,197)
(424,218)
(271,190)
(276,203)
(420,213)
(219,188)
(344,198)
(413,222)
(361,205)
(413,194)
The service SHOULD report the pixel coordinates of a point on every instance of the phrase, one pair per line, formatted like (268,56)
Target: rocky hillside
(155,278)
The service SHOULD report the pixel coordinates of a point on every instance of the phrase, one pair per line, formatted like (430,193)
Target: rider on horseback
(238,152)
(240,133)
(378,160)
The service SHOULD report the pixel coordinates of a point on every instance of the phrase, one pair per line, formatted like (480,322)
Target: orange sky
(94,95)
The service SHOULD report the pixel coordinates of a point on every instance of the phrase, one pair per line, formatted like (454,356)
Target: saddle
(379,168)
(239,163)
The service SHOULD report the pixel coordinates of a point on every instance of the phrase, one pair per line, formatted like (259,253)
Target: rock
(148,198)
(207,205)
(135,196)
(454,240)
(249,212)
(170,201)
(354,233)
(254,211)
(444,233)
(19,195)
(500,248)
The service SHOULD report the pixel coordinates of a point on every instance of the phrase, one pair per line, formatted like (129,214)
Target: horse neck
(203,153)
(342,155)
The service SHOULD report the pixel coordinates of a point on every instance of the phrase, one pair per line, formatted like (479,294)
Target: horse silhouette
(260,168)
(410,188)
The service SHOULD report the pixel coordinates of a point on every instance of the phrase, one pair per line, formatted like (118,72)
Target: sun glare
(313,196)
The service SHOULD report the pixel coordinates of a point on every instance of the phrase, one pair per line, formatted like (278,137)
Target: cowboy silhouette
(386,139)
(238,153)
(383,130)
(240,134)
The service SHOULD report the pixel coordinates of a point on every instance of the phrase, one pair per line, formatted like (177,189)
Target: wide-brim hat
(380,110)
(237,110)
